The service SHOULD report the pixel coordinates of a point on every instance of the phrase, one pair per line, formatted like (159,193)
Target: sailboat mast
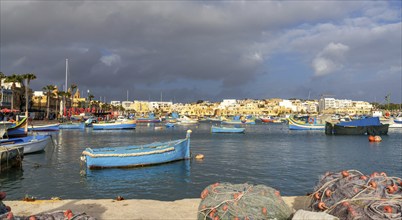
(65,88)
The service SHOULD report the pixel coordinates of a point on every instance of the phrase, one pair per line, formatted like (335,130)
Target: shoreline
(128,209)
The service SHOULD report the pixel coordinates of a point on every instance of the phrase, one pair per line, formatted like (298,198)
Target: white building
(162,105)
(126,104)
(228,103)
(115,103)
(288,104)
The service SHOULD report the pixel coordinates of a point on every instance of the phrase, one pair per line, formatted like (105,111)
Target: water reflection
(141,180)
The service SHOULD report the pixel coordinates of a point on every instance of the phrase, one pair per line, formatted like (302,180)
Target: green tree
(49,94)
(28,77)
(13,79)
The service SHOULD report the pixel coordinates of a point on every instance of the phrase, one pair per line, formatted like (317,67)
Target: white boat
(31,144)
(186,120)
(396,122)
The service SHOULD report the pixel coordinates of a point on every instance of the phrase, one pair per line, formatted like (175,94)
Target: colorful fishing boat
(215,129)
(72,126)
(31,144)
(307,123)
(17,130)
(11,157)
(239,121)
(117,125)
(141,155)
(48,127)
(267,119)
(150,119)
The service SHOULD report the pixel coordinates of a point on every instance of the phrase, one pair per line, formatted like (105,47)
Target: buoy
(322,206)
(199,156)
(377,139)
(371,138)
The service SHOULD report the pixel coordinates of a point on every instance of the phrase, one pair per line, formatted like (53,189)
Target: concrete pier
(127,209)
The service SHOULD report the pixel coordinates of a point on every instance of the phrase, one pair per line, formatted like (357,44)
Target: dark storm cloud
(178,47)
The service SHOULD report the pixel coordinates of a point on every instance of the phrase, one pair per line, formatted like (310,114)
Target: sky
(184,51)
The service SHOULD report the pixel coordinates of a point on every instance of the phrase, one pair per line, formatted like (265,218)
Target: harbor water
(269,154)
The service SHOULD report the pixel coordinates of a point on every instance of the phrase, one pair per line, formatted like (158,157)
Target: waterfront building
(287,104)
(115,103)
(344,106)
(5,100)
(127,105)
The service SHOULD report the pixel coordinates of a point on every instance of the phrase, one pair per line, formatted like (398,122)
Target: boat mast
(65,88)
(26,106)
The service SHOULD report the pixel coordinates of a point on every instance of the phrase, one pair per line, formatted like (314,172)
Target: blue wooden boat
(31,144)
(17,130)
(215,129)
(72,126)
(49,127)
(169,125)
(117,125)
(310,123)
(141,155)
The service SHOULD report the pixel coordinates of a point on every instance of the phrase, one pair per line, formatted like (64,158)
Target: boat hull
(17,131)
(72,126)
(227,130)
(113,126)
(50,127)
(132,156)
(147,120)
(293,125)
(238,122)
(31,144)
(369,126)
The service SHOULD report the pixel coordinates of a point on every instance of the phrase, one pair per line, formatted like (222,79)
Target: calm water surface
(270,154)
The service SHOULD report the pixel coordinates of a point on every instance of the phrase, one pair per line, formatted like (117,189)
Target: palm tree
(12,79)
(28,77)
(49,93)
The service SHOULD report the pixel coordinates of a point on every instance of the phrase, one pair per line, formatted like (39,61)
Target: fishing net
(353,195)
(242,201)
(57,215)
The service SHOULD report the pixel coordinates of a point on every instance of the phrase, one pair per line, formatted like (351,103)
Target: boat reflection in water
(144,182)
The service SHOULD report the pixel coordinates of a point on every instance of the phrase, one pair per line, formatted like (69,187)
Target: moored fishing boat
(184,120)
(31,144)
(396,122)
(369,126)
(117,125)
(311,123)
(267,119)
(239,121)
(150,119)
(72,126)
(48,127)
(215,129)
(17,130)
(141,155)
